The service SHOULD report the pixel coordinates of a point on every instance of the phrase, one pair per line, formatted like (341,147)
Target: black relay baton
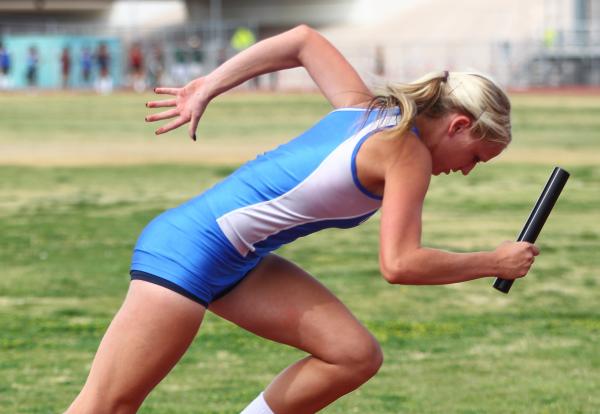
(538,216)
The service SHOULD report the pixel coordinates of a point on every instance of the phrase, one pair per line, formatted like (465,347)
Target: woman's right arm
(301,46)
(404,260)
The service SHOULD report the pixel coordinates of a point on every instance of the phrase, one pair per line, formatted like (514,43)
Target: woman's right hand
(188,105)
(514,259)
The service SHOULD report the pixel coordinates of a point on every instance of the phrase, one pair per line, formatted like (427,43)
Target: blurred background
(115,44)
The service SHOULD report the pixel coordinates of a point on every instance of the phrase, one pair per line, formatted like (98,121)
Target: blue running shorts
(190,255)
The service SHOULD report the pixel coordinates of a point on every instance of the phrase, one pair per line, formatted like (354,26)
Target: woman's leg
(149,334)
(281,302)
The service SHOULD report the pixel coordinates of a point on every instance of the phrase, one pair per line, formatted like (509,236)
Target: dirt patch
(81,154)
(87,154)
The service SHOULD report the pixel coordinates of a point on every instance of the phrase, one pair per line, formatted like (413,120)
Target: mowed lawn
(81,175)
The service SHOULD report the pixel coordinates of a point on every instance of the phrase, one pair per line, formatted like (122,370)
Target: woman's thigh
(148,335)
(281,302)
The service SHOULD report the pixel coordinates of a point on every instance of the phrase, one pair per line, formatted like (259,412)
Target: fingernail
(146,119)
(156,132)
(147,105)
(194,137)
(154,90)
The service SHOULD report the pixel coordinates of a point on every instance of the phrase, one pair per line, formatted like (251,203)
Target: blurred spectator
(104,84)
(4,67)
(195,56)
(31,67)
(550,38)
(65,67)
(156,66)
(196,66)
(86,66)
(242,39)
(379,61)
(180,70)
(136,67)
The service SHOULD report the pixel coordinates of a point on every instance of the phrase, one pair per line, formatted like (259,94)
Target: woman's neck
(431,130)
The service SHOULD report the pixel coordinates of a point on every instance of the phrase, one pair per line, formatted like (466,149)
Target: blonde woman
(214,252)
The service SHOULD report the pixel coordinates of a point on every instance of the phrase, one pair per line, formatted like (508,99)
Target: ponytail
(440,93)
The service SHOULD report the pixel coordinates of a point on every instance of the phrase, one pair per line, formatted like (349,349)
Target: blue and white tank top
(303,186)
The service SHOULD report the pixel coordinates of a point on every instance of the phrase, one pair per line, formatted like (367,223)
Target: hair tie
(445,76)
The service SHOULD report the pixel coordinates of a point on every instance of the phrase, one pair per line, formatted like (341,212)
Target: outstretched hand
(188,105)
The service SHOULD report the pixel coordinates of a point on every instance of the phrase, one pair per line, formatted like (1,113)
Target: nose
(466,170)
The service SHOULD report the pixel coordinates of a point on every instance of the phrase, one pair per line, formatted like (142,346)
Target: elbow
(305,34)
(398,271)
(302,36)
(303,30)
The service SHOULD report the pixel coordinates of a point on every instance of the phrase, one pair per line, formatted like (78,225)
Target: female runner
(214,251)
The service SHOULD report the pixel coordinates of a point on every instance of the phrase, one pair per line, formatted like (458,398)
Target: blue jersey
(4,61)
(301,187)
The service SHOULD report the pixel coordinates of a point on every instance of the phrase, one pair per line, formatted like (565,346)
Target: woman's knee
(360,356)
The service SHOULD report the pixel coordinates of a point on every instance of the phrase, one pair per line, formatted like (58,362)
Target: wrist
(209,87)
(493,261)
(202,88)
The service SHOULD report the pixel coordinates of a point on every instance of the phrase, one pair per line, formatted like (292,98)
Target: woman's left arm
(301,46)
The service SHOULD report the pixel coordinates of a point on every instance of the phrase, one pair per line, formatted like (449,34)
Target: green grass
(67,233)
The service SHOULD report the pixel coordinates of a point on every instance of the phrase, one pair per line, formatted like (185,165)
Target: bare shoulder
(407,174)
(383,159)
(405,152)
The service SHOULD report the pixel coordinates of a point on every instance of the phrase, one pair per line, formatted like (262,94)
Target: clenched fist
(515,258)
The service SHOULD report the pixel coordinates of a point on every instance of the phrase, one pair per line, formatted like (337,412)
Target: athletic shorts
(184,250)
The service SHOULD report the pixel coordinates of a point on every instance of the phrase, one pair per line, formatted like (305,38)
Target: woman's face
(459,150)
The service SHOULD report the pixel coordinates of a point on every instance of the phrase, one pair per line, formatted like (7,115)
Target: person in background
(86,66)
(180,65)
(196,65)
(242,39)
(136,67)
(65,66)
(31,71)
(156,65)
(104,84)
(379,61)
(4,67)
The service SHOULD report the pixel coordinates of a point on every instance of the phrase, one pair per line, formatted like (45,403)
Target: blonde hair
(439,93)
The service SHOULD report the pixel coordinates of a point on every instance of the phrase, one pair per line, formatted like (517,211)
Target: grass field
(80,176)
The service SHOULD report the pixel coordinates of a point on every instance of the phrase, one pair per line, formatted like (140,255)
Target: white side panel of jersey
(328,193)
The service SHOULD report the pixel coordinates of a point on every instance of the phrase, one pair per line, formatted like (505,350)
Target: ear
(459,124)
